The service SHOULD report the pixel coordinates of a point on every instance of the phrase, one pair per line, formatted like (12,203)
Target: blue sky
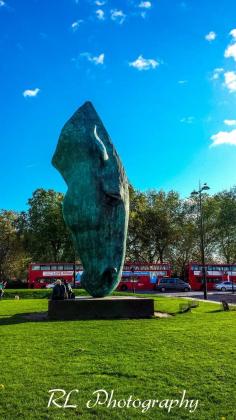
(161,74)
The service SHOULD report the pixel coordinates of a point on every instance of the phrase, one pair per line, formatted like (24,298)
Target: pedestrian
(58,291)
(2,286)
(69,291)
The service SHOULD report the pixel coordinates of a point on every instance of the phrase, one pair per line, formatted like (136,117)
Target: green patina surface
(96,205)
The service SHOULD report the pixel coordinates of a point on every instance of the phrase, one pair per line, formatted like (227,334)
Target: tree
(13,258)
(136,249)
(154,219)
(46,236)
(186,246)
(225,203)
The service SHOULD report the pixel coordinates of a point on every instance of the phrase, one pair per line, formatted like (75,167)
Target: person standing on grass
(68,288)
(2,286)
(59,291)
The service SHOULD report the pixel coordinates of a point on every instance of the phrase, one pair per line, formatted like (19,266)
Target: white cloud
(118,16)
(100,3)
(2,3)
(31,93)
(182,82)
(187,120)
(230,122)
(231,51)
(144,63)
(98,60)
(224,137)
(145,4)
(75,25)
(211,36)
(217,72)
(230,80)
(143,14)
(233,33)
(100,14)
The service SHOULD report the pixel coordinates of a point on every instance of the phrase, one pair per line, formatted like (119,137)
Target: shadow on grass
(43,317)
(24,317)
(221,310)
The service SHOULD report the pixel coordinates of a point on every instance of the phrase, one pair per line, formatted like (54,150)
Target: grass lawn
(148,359)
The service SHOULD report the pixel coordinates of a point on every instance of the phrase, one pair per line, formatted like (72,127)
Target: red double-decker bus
(41,275)
(135,276)
(143,276)
(215,273)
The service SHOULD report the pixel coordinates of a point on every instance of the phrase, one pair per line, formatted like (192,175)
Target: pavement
(212,296)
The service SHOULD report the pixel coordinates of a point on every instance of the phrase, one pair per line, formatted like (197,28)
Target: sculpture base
(110,307)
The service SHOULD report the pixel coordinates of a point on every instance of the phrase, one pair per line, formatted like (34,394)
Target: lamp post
(198,194)
(74,271)
(133,279)
(232,284)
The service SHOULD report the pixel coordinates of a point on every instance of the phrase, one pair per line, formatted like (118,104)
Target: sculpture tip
(87,104)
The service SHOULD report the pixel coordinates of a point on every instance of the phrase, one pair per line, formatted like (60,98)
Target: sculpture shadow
(23,317)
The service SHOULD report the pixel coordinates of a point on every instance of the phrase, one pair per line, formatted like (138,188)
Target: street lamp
(198,194)
(74,270)
(133,279)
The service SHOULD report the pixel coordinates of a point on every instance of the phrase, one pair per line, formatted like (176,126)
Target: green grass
(149,359)
(164,305)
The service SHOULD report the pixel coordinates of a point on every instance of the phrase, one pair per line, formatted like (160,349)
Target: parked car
(50,285)
(169,284)
(225,285)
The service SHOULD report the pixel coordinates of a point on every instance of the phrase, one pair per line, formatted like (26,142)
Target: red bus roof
(210,263)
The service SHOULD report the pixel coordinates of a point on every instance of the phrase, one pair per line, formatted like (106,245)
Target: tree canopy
(162,227)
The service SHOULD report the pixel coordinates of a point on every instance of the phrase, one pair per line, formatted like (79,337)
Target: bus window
(35,267)
(68,267)
(125,279)
(45,267)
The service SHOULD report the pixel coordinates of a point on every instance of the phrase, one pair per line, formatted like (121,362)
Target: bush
(16,284)
(27,293)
